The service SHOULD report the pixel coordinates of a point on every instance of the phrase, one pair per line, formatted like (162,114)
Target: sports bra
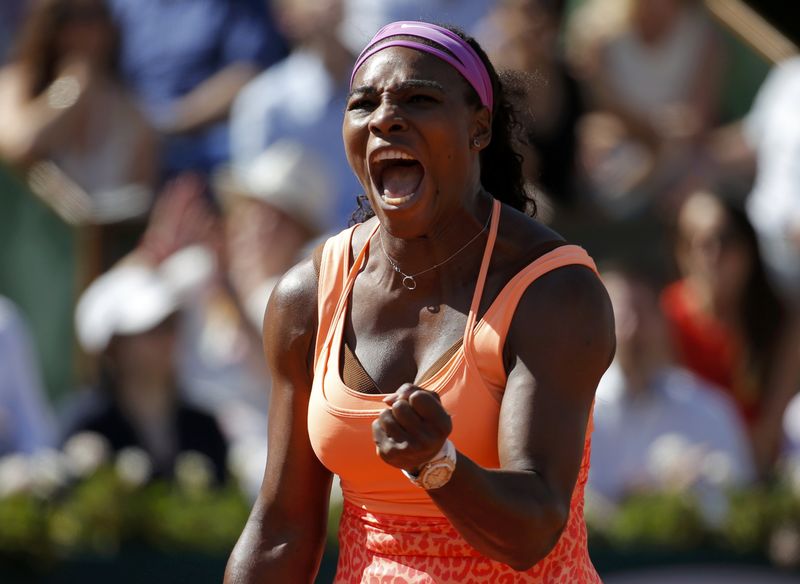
(470,384)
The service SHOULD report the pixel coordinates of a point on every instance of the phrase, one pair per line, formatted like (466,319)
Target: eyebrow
(410,84)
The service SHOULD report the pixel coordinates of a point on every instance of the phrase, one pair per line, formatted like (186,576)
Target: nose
(386,119)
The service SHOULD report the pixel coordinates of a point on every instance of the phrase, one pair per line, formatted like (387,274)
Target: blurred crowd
(194,148)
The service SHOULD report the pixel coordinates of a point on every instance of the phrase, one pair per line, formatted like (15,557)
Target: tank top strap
(478,294)
(489,340)
(335,282)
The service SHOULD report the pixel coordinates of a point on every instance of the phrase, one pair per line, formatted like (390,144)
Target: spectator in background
(187,60)
(523,35)
(26,422)
(301,99)
(726,321)
(129,317)
(645,403)
(273,212)
(770,136)
(655,82)
(69,122)
(275,208)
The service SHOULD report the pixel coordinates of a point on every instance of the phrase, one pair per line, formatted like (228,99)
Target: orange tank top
(470,384)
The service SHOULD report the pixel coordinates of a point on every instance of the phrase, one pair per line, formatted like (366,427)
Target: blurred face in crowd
(84,28)
(146,358)
(654,19)
(710,252)
(639,326)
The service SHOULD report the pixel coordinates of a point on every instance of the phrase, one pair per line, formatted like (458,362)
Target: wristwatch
(437,471)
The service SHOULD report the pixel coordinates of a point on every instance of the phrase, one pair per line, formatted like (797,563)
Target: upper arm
(296,485)
(560,342)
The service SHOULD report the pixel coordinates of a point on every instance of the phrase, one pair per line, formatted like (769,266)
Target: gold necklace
(409,283)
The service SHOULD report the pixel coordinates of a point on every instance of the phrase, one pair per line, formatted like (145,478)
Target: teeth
(396,200)
(391,155)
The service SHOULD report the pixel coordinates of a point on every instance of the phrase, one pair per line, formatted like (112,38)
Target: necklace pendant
(409,283)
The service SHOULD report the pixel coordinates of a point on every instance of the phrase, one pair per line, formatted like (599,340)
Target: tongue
(400,180)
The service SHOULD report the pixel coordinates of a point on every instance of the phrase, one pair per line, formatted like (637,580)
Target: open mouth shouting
(396,174)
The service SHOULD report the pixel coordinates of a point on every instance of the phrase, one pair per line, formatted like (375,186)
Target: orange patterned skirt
(396,549)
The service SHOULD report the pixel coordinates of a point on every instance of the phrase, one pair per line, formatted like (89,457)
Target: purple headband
(464,58)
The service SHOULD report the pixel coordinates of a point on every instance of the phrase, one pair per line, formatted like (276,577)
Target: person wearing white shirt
(772,130)
(657,424)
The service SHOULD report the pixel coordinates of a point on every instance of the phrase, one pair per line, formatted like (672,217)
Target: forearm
(509,516)
(210,101)
(268,554)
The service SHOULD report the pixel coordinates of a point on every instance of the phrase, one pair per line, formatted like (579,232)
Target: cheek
(354,136)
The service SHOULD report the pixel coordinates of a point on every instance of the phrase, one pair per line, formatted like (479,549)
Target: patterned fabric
(394,549)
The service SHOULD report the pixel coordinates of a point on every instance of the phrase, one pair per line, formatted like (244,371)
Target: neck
(452,245)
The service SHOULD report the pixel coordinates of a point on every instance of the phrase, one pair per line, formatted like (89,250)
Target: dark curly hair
(501,163)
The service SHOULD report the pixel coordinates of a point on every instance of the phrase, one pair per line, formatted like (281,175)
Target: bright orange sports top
(470,384)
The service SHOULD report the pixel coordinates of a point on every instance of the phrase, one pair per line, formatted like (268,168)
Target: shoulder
(569,294)
(292,306)
(565,316)
(290,321)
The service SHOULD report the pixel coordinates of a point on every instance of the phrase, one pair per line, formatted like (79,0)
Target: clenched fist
(412,429)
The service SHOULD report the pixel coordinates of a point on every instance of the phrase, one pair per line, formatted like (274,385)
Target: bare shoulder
(290,321)
(564,321)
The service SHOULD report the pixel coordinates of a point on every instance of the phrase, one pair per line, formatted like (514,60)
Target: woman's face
(710,251)
(408,133)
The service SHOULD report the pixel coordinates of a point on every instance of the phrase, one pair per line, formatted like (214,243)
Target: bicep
(560,342)
(296,485)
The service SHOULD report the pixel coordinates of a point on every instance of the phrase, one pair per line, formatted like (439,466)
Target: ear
(481,133)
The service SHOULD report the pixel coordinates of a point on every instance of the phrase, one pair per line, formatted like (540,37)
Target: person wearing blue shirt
(301,99)
(187,60)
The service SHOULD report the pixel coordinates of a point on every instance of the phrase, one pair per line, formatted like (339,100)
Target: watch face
(437,474)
